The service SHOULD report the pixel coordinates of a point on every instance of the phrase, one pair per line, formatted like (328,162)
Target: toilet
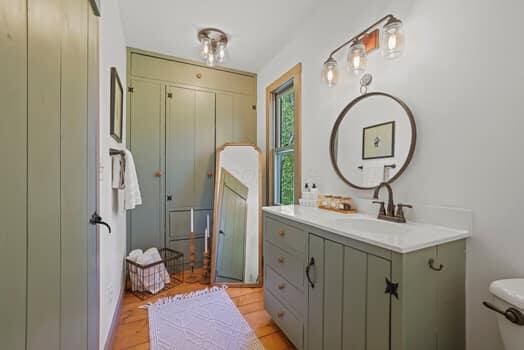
(509,294)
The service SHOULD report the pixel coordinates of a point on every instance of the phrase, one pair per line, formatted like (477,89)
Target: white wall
(463,78)
(112,246)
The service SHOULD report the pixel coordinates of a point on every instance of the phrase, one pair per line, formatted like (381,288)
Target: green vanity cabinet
(358,296)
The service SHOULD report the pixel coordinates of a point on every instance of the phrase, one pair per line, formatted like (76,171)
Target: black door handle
(97,220)
(311,263)
(222,232)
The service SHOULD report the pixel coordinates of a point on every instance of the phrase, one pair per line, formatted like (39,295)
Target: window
(284,145)
(283,138)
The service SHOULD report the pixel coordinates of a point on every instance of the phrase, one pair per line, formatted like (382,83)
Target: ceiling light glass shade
(211,59)
(221,52)
(206,48)
(357,59)
(330,72)
(213,43)
(392,39)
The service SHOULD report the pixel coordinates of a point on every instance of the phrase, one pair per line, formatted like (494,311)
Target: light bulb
(221,52)
(357,59)
(206,47)
(330,72)
(392,39)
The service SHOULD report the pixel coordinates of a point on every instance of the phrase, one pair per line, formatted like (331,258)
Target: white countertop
(401,238)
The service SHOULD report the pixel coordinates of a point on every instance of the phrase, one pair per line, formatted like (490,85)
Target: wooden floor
(133,329)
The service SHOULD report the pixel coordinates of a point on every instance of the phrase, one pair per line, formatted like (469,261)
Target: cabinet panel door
(180,148)
(450,283)
(378,304)
(245,119)
(333,288)
(355,298)
(224,119)
(190,148)
(315,323)
(13,187)
(146,143)
(204,139)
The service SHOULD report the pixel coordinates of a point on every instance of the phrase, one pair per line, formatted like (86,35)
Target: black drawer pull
(308,267)
(431,264)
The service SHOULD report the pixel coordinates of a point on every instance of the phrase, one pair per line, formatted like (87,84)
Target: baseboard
(114,322)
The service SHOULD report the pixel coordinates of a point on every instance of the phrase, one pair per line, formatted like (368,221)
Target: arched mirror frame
(344,113)
(216,211)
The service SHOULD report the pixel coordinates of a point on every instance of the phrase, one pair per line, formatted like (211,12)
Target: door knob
(210,174)
(158,173)
(169,197)
(97,220)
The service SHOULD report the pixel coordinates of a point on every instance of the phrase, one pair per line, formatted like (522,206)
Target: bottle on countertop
(314,192)
(306,193)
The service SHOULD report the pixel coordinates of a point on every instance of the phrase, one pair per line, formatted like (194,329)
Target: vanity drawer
(289,265)
(288,294)
(285,236)
(288,323)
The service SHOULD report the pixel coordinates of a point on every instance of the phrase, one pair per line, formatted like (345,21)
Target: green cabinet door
(377,303)
(347,307)
(236,119)
(146,143)
(354,308)
(315,320)
(190,162)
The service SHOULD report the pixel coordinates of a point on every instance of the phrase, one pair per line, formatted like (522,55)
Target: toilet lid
(511,291)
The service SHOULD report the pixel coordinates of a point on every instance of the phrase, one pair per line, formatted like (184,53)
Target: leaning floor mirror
(236,248)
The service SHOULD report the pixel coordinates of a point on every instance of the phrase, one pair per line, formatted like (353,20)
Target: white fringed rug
(202,320)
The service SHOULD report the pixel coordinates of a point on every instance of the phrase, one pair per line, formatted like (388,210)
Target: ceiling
(257,30)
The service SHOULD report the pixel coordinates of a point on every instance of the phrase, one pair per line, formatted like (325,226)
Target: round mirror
(373,140)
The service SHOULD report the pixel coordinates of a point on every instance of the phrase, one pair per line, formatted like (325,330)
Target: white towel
(155,255)
(118,172)
(152,279)
(372,175)
(132,196)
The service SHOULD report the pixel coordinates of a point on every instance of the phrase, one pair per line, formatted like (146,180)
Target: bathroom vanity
(336,281)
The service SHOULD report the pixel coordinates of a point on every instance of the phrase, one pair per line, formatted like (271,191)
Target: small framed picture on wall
(378,141)
(117,106)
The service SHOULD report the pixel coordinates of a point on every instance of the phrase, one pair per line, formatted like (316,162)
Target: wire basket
(146,280)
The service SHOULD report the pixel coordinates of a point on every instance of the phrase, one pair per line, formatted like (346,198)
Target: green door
(47,50)
(190,165)
(145,141)
(348,308)
(236,119)
(232,232)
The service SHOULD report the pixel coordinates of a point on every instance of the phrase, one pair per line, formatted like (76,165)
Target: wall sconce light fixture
(214,43)
(391,42)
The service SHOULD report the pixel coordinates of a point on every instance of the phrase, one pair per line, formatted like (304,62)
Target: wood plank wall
(44,47)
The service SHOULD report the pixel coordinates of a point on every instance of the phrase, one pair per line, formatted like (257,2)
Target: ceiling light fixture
(392,43)
(213,45)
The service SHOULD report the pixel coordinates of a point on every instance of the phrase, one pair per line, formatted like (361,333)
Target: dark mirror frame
(344,113)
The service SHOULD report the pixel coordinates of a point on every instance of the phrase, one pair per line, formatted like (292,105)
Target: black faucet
(389,214)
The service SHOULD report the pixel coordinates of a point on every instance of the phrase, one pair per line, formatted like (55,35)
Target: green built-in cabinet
(179,113)
(351,301)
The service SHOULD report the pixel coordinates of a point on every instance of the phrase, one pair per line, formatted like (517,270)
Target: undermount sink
(373,225)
